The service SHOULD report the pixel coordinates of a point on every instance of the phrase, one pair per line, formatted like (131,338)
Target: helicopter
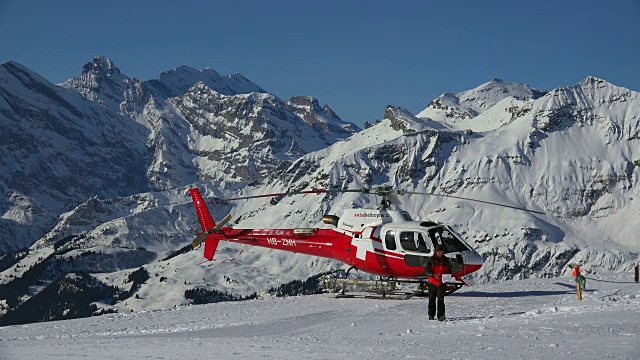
(382,241)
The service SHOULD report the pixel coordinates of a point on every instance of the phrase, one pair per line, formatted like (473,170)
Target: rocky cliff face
(320,118)
(205,126)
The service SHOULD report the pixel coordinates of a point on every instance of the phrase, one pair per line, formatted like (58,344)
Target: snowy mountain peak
(321,118)
(185,71)
(591,80)
(495,87)
(239,77)
(306,101)
(591,84)
(177,81)
(101,64)
(402,119)
(330,112)
(312,103)
(609,109)
(101,81)
(593,87)
(458,109)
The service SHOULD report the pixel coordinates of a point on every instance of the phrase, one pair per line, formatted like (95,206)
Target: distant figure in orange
(580,280)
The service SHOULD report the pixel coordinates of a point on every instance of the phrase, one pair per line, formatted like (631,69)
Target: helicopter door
(453,248)
(414,245)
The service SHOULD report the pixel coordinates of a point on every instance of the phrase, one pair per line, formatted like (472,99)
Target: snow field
(520,319)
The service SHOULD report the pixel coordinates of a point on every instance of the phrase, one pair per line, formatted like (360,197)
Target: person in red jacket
(437,265)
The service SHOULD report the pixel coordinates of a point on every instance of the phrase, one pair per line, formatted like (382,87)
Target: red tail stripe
(210,246)
(206,221)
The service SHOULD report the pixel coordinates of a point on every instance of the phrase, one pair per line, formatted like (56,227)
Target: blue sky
(356,56)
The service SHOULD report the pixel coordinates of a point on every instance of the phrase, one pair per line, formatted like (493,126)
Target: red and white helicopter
(381,241)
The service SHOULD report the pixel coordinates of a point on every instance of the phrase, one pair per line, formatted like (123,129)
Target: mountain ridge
(459,110)
(255,143)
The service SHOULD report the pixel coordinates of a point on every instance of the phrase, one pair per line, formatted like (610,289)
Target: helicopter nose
(473,258)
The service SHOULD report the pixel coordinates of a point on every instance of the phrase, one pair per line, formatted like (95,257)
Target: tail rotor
(200,238)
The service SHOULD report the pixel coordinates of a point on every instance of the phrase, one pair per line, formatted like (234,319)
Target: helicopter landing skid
(342,285)
(422,289)
(383,296)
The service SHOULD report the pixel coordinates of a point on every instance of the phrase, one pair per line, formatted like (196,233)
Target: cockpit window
(413,241)
(448,240)
(390,240)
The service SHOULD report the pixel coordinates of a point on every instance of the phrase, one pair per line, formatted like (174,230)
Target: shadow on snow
(512,294)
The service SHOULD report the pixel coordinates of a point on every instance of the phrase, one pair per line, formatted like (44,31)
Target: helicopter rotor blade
(476,200)
(314,191)
(380,191)
(384,191)
(222,223)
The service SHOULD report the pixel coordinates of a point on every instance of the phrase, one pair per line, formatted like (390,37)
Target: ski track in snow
(523,319)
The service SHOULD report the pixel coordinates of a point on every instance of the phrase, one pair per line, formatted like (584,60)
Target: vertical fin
(206,221)
(210,246)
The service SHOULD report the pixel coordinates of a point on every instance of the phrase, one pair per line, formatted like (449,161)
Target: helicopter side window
(422,244)
(406,241)
(390,240)
(413,241)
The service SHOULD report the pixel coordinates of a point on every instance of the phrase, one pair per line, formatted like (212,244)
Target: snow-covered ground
(528,319)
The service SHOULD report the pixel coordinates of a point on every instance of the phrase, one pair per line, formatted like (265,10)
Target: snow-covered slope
(588,193)
(58,149)
(529,319)
(109,135)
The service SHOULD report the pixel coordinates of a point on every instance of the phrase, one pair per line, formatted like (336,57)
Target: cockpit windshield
(448,240)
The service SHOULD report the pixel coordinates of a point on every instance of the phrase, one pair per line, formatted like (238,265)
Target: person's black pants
(436,291)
